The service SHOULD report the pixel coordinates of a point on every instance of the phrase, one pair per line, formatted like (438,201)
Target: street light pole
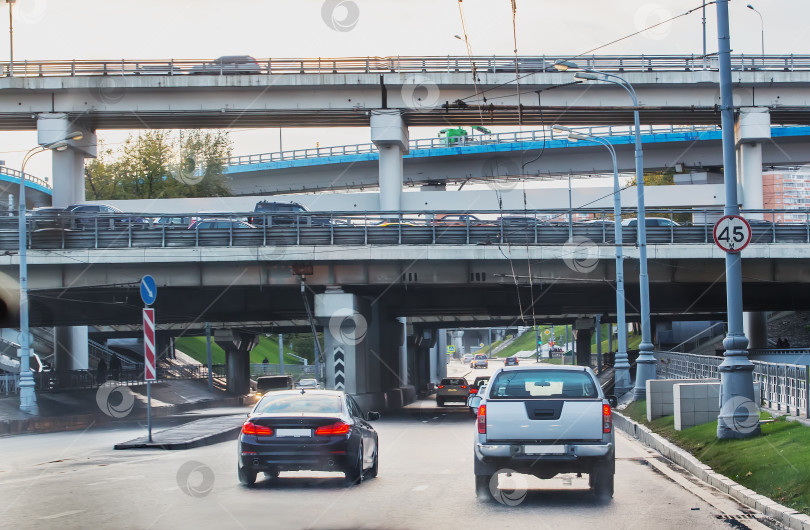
(28,398)
(10,38)
(645,364)
(739,413)
(762,28)
(621,365)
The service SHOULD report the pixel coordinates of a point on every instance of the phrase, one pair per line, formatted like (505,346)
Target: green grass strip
(775,463)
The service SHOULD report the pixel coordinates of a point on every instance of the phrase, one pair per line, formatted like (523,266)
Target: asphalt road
(76,480)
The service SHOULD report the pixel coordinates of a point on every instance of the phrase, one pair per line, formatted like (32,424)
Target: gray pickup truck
(543,420)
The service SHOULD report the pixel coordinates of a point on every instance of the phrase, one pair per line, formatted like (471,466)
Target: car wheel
(601,480)
(440,402)
(247,477)
(372,473)
(482,491)
(271,474)
(354,473)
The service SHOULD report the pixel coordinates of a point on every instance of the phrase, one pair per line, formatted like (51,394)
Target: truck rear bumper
(492,451)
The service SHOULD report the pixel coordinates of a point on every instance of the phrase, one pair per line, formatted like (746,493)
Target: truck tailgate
(544,419)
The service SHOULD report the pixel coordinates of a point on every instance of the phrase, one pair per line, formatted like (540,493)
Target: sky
(205,29)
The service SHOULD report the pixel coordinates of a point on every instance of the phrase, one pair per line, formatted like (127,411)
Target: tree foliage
(656,178)
(161,164)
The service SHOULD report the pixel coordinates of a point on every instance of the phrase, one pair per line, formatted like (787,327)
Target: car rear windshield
(481,356)
(539,384)
(454,381)
(297,403)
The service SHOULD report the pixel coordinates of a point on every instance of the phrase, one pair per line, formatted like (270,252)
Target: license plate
(293,433)
(452,390)
(544,449)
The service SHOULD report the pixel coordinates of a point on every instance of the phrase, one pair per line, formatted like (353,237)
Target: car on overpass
(228,64)
(100,215)
(312,430)
(650,221)
(218,224)
(285,213)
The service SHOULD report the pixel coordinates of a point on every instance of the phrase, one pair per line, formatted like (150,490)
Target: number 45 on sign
(732,233)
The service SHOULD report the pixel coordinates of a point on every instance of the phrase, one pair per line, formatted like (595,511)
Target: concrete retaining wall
(659,395)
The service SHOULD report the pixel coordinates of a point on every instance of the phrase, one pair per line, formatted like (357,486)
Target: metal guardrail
(481,227)
(472,140)
(9,384)
(13,173)
(400,64)
(295,370)
(86,379)
(779,351)
(782,386)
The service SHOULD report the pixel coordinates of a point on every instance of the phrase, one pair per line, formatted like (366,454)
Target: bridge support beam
(390,134)
(68,165)
(70,348)
(753,127)
(237,346)
(756,328)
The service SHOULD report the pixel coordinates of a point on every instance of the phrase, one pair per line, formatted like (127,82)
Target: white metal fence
(783,387)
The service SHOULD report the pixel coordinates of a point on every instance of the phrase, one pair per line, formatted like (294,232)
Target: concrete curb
(46,424)
(225,429)
(787,516)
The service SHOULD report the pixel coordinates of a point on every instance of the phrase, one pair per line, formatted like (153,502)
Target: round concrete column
(756,329)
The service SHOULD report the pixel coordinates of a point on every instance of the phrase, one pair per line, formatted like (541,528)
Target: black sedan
(314,430)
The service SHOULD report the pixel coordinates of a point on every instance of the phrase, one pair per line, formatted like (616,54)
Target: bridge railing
(9,384)
(296,370)
(538,135)
(481,227)
(782,387)
(400,64)
(4,170)
(87,379)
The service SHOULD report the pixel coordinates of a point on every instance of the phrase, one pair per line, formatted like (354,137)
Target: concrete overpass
(497,159)
(427,91)
(38,191)
(488,274)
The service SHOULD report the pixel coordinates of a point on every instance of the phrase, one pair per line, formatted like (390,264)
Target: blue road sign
(148,290)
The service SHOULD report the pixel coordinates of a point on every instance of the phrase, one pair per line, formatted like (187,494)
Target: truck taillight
(607,419)
(482,419)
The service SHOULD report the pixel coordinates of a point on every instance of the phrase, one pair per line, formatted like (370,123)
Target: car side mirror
(372,416)
(613,400)
(474,401)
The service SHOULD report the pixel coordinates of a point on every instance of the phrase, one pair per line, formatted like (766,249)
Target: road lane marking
(63,514)
(423,487)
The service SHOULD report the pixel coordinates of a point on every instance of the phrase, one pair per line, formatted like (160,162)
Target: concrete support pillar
(70,348)
(345,319)
(441,354)
(237,346)
(403,352)
(583,332)
(583,346)
(68,165)
(753,126)
(390,134)
(755,325)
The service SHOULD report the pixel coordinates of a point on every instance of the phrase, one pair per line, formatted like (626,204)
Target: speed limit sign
(732,233)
